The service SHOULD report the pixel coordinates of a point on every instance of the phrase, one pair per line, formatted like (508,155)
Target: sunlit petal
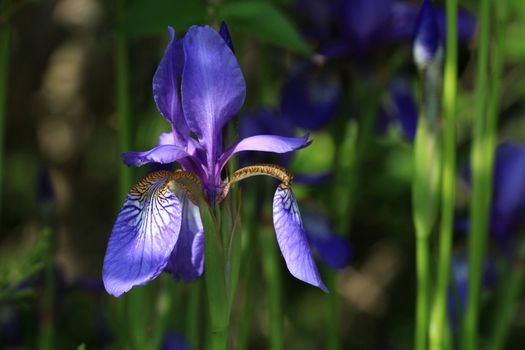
(213,87)
(143,236)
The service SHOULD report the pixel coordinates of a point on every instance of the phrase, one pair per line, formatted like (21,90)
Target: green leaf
(266,22)
(153,17)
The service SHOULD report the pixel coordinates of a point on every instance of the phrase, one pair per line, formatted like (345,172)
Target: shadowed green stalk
(438,325)
(5,38)
(46,335)
(192,314)
(482,155)
(350,151)
(221,265)
(122,101)
(250,235)
(272,274)
(482,164)
(425,188)
(123,135)
(506,307)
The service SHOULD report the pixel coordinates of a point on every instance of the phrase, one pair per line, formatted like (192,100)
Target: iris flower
(198,87)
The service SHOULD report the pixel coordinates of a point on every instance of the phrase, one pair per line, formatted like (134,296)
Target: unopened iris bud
(427,40)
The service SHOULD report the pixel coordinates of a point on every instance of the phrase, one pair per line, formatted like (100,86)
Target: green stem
(122,101)
(272,274)
(5,39)
(215,276)
(192,317)
(251,254)
(47,323)
(333,303)
(438,324)
(508,299)
(423,292)
(481,164)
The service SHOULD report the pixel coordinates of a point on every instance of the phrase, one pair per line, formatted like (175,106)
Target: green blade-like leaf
(153,17)
(266,22)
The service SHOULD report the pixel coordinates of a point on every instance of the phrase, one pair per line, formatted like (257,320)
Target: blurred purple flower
(399,108)
(508,201)
(458,291)
(332,249)
(363,25)
(508,196)
(310,99)
(197,87)
(173,341)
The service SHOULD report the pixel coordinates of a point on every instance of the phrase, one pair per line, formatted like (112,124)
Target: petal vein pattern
(143,236)
(292,239)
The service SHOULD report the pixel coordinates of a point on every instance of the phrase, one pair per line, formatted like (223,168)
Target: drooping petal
(225,34)
(187,258)
(292,240)
(160,154)
(166,87)
(213,87)
(265,143)
(143,236)
(427,39)
(310,100)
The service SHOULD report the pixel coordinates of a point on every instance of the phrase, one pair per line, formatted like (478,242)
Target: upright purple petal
(160,154)
(143,236)
(292,240)
(426,39)
(166,87)
(265,143)
(187,258)
(225,34)
(213,87)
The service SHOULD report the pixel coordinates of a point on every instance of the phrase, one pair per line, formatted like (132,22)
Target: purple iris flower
(197,87)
